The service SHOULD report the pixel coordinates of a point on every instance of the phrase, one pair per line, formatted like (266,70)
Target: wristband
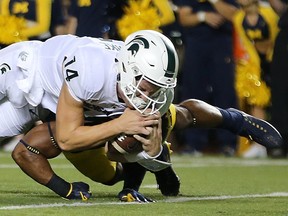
(213,1)
(201,16)
(140,156)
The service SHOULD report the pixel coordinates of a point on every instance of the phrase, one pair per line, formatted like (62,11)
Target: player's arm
(196,113)
(73,135)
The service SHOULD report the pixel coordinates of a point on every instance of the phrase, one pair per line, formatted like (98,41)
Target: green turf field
(209,186)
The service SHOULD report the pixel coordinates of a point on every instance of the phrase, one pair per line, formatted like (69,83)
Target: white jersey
(9,73)
(33,72)
(87,65)
(15,121)
(15,112)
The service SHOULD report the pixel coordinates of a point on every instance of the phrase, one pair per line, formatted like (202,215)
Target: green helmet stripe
(171,66)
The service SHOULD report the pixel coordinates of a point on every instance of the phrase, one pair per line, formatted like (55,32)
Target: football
(124,144)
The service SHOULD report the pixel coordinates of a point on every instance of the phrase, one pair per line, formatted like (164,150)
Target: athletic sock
(133,174)
(59,186)
(232,120)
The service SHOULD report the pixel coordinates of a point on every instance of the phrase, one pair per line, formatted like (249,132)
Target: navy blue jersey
(203,30)
(91,16)
(283,22)
(57,17)
(257,32)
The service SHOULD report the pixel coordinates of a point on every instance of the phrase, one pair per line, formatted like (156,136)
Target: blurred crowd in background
(232,54)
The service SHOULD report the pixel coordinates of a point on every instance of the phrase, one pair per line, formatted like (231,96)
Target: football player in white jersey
(88,68)
(83,78)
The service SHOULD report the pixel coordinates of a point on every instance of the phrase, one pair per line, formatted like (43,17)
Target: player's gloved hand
(130,195)
(79,190)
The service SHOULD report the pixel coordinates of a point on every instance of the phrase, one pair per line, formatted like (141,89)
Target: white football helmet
(151,56)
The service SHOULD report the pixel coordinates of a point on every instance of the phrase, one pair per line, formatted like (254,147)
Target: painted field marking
(192,164)
(168,200)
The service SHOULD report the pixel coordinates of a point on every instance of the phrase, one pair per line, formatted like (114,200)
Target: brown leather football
(124,144)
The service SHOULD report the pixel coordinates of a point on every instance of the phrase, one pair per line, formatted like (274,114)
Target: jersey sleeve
(16,97)
(168,122)
(12,92)
(83,72)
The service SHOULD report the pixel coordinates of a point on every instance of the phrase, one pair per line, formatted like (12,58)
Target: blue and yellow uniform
(253,66)
(94,163)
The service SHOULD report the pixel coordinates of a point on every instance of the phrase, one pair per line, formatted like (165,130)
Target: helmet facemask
(140,101)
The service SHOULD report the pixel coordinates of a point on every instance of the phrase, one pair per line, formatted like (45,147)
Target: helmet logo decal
(138,40)
(134,49)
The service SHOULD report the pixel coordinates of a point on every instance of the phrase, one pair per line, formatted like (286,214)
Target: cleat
(259,131)
(167,180)
(79,191)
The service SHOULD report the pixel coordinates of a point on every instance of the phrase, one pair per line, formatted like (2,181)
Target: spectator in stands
(255,28)
(208,68)
(87,18)
(58,18)
(143,14)
(26,20)
(279,75)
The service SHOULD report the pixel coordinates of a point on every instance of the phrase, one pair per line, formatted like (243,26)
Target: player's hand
(130,195)
(152,143)
(133,122)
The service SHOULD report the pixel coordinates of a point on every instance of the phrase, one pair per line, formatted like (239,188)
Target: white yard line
(190,164)
(225,197)
(168,200)
(15,166)
(74,204)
